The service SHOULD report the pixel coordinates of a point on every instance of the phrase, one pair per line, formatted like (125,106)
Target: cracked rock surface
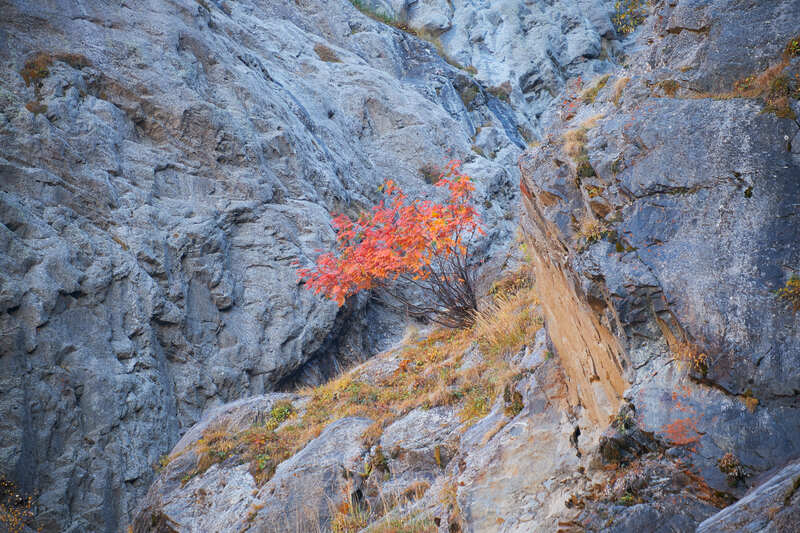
(667,208)
(162,167)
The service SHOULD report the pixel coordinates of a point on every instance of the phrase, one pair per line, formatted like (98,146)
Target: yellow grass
(429,374)
(619,86)
(590,94)
(591,229)
(575,142)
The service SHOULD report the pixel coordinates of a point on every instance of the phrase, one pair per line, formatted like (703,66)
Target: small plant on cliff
(793,48)
(422,243)
(16,510)
(591,229)
(730,465)
(628,14)
(790,293)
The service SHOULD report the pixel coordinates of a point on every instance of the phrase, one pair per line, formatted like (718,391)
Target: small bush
(790,293)
(469,94)
(593,191)
(772,86)
(628,14)
(380,16)
(430,173)
(792,48)
(214,447)
(686,353)
(670,87)
(16,510)
(326,54)
(512,399)
(627,499)
(585,169)
(420,242)
(349,516)
(730,465)
(591,229)
(575,142)
(36,68)
(406,524)
(575,147)
(279,413)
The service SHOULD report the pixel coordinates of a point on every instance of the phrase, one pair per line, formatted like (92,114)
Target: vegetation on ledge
(429,373)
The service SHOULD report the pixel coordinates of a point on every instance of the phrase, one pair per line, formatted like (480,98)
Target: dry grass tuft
(771,86)
(591,229)
(619,86)
(590,95)
(591,122)
(38,67)
(670,87)
(349,516)
(214,447)
(575,147)
(689,355)
(575,142)
(326,54)
(406,524)
(36,108)
(508,323)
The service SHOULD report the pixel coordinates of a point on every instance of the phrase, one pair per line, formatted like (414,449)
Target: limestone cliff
(164,164)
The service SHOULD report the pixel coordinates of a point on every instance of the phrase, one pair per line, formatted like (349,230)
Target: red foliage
(399,237)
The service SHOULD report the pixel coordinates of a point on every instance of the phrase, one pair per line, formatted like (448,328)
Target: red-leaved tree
(419,242)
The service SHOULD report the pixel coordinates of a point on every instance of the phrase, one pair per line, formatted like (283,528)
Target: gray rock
(693,199)
(225,497)
(773,506)
(533,47)
(419,446)
(170,166)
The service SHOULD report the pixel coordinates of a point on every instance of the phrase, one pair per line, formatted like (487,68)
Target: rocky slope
(162,166)
(661,216)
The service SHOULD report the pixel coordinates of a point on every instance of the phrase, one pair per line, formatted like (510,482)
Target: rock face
(773,506)
(163,166)
(512,468)
(662,210)
(523,50)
